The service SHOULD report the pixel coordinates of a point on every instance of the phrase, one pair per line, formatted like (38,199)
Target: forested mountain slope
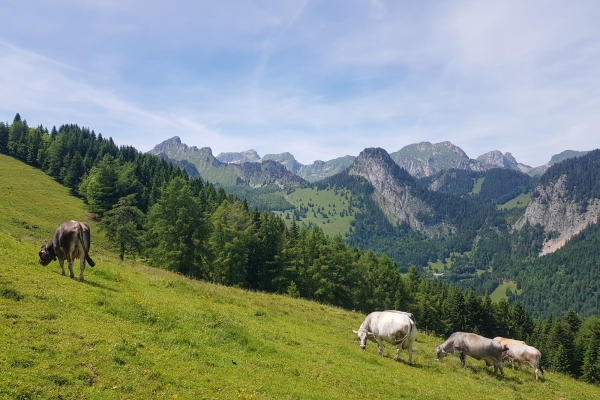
(494,186)
(566,200)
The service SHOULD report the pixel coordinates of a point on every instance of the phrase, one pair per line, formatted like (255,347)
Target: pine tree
(177,232)
(124,226)
(4,132)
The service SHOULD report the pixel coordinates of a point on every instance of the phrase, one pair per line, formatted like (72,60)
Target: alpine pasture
(135,332)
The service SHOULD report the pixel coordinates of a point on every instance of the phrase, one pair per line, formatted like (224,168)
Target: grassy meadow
(500,292)
(521,201)
(135,332)
(325,209)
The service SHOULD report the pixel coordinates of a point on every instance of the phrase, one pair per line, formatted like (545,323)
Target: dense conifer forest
(153,210)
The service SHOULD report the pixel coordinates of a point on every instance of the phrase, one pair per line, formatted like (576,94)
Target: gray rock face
(285,159)
(268,173)
(176,150)
(555,212)
(238,158)
(426,159)
(185,165)
(213,170)
(497,159)
(323,169)
(393,191)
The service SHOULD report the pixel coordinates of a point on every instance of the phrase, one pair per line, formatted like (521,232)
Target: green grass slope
(335,212)
(135,332)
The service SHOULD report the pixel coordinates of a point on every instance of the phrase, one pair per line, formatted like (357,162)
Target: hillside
(566,200)
(131,331)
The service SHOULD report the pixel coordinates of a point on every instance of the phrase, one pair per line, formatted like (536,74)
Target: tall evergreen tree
(124,226)
(176,231)
(4,134)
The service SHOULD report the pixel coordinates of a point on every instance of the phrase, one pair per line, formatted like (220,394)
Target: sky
(318,79)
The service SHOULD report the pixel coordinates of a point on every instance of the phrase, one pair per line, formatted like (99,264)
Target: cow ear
(370,334)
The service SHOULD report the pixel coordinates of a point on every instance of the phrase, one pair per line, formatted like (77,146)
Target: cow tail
(85,249)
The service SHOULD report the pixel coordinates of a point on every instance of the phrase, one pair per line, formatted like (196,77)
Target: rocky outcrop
(268,173)
(394,192)
(426,159)
(185,165)
(556,212)
(238,158)
(498,160)
(323,169)
(212,170)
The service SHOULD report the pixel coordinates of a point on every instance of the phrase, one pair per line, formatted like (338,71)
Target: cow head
(46,255)
(439,353)
(363,335)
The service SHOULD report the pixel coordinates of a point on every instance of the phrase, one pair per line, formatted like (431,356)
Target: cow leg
(70,263)
(380,345)
(463,360)
(410,351)
(61,261)
(82,267)
(398,349)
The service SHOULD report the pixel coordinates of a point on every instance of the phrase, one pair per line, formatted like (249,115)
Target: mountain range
(399,179)
(421,160)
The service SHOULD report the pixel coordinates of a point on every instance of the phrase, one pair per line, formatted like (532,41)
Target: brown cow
(71,240)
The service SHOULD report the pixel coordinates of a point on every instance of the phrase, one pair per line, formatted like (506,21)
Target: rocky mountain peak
(425,159)
(172,147)
(394,191)
(239,157)
(375,164)
(163,147)
(497,159)
(286,159)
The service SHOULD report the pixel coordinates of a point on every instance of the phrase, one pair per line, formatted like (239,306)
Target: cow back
(71,239)
(474,345)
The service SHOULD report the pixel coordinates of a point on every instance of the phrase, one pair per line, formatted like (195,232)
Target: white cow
(505,342)
(395,327)
(465,344)
(523,353)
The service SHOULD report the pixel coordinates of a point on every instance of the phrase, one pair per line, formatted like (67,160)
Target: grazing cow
(521,352)
(394,327)
(505,342)
(71,240)
(465,344)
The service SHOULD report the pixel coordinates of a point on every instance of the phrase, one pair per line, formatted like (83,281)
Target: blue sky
(320,79)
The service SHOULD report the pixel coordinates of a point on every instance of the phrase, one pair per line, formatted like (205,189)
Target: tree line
(152,209)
